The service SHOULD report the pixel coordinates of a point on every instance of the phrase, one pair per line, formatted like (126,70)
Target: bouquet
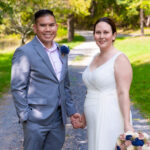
(133,141)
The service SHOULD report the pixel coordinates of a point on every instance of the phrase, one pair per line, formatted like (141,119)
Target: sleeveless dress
(101,108)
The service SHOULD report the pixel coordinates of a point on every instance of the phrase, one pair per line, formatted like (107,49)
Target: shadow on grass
(77,38)
(125,36)
(121,38)
(76,41)
(140,88)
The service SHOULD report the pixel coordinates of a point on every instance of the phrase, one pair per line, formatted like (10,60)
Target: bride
(108,79)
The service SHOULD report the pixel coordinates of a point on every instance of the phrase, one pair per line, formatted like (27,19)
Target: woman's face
(103,35)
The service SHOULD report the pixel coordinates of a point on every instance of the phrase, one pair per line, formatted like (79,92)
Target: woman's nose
(101,35)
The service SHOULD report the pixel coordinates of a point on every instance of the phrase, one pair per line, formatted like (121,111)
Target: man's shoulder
(26,47)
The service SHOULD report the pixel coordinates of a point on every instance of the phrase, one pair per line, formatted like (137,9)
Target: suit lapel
(63,60)
(41,51)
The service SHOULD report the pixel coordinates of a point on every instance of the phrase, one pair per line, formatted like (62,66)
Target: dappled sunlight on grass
(141,59)
(135,31)
(135,47)
(9,43)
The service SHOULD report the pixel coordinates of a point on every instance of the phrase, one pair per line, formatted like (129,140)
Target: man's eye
(42,25)
(51,25)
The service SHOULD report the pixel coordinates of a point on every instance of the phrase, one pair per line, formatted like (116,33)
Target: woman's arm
(123,76)
(83,121)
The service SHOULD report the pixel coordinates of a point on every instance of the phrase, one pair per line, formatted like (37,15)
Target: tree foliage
(139,9)
(68,10)
(17,16)
(20,17)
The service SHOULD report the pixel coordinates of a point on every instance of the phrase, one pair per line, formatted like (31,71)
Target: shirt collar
(52,49)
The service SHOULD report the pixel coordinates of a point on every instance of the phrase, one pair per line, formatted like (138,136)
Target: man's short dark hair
(42,12)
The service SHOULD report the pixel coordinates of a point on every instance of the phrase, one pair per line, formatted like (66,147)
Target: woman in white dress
(108,79)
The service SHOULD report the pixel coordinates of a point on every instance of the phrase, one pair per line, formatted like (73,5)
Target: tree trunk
(142,21)
(70,26)
(23,38)
(148,21)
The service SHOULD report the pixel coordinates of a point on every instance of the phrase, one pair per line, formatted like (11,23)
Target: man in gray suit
(40,87)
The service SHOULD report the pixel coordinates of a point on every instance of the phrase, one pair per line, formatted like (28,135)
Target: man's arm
(71,110)
(19,83)
(70,106)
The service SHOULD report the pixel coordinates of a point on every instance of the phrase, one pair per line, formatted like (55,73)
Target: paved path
(11,136)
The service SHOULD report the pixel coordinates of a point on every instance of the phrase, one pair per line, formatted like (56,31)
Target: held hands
(78,121)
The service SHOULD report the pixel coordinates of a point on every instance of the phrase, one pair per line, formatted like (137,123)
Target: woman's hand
(83,121)
(128,127)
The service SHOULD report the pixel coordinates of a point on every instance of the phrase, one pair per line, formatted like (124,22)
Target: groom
(40,87)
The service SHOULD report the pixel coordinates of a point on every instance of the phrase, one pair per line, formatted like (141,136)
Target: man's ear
(34,28)
(57,26)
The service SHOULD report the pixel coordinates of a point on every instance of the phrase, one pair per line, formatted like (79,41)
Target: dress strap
(116,55)
(92,58)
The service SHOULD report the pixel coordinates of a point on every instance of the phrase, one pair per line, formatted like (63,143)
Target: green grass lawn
(5,66)
(138,51)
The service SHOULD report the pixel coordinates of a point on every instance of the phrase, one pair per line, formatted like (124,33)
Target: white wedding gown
(101,107)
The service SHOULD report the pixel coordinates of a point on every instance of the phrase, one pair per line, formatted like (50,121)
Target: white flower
(145,147)
(118,142)
(131,147)
(135,135)
(129,133)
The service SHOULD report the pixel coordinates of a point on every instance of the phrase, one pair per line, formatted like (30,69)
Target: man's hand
(76,120)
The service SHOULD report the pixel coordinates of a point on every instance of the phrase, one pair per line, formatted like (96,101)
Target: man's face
(46,28)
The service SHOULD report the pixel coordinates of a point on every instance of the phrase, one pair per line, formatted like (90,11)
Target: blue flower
(64,50)
(118,148)
(129,137)
(137,142)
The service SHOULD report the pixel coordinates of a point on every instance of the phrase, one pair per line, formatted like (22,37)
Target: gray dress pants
(39,137)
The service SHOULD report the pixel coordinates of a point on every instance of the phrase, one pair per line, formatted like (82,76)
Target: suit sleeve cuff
(23,116)
(70,113)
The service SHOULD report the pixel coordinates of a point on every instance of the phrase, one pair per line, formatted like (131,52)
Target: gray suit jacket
(35,88)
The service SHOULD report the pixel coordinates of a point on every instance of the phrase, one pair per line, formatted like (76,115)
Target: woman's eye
(105,32)
(98,32)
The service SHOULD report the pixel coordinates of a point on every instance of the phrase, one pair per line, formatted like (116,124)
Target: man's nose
(47,28)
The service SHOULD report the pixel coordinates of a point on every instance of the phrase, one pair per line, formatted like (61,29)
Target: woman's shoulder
(122,60)
(121,57)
